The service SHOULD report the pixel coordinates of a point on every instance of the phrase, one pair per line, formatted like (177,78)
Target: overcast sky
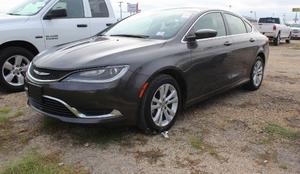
(243,7)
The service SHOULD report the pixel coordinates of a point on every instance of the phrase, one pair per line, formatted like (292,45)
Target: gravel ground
(231,133)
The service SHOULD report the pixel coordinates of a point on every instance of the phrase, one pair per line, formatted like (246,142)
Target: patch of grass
(199,144)
(6,114)
(283,166)
(5,110)
(275,129)
(264,141)
(36,163)
(18,114)
(4,118)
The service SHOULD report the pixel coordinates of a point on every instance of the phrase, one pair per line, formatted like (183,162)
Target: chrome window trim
(219,37)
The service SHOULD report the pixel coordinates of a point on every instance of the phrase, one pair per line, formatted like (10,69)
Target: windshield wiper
(131,35)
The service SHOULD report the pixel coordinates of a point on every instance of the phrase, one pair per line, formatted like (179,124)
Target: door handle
(82,25)
(252,40)
(228,43)
(109,24)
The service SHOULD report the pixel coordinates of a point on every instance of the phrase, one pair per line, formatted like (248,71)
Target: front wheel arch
(22,44)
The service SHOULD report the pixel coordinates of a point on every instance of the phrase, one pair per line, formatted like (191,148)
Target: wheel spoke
(166,90)
(24,68)
(168,116)
(157,116)
(8,66)
(154,107)
(18,60)
(9,77)
(172,101)
(155,100)
(161,92)
(160,118)
(20,79)
(173,94)
(172,113)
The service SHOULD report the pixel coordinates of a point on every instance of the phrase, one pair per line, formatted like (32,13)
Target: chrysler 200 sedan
(143,70)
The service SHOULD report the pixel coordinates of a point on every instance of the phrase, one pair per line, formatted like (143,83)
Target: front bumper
(76,116)
(295,35)
(87,103)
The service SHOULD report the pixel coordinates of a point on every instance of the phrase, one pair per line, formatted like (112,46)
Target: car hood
(95,52)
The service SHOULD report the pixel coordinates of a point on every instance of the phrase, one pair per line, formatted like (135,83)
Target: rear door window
(99,8)
(235,24)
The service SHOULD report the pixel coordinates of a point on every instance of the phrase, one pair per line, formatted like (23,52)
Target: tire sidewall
(4,55)
(146,104)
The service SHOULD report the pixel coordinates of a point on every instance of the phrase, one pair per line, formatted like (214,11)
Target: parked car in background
(275,29)
(146,68)
(295,31)
(39,24)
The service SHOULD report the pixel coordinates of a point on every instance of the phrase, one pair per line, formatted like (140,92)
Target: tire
(149,115)
(277,40)
(254,85)
(288,41)
(14,62)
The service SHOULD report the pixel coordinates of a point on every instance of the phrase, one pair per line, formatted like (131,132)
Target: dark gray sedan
(143,70)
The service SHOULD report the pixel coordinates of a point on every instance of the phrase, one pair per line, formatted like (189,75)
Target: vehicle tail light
(274,27)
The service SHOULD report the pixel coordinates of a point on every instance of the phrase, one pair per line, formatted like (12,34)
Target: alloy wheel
(258,72)
(164,105)
(14,69)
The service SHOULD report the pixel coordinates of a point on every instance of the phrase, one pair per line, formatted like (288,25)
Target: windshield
(29,8)
(162,25)
(269,20)
(295,25)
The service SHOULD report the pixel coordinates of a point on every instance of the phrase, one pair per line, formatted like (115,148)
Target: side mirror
(202,34)
(58,13)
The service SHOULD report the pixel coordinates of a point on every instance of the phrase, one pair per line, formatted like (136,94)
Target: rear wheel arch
(262,55)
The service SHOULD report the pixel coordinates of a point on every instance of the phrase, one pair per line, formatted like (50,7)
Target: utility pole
(121,11)
(254,12)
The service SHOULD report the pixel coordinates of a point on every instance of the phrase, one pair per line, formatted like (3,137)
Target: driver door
(74,26)
(211,56)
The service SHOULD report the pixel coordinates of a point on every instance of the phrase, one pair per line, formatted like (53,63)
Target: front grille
(296,31)
(51,107)
(53,74)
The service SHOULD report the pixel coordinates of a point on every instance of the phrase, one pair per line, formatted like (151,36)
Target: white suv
(39,24)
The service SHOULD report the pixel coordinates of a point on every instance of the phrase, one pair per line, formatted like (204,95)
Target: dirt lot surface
(236,132)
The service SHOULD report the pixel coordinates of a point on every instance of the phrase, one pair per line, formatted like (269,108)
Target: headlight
(102,75)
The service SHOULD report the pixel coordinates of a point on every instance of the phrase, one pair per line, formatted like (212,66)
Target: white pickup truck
(275,29)
(39,24)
